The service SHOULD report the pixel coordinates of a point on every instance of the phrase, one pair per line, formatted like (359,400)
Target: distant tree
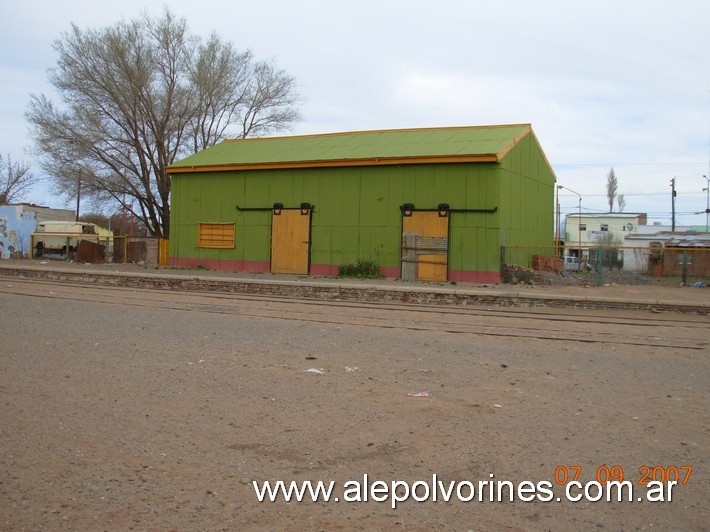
(621,202)
(611,187)
(96,218)
(120,223)
(15,180)
(139,95)
(610,254)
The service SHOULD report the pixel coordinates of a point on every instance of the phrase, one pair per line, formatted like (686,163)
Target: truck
(572,264)
(61,238)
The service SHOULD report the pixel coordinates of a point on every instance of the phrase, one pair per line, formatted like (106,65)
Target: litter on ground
(418,394)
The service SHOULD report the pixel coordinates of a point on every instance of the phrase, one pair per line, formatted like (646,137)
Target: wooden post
(409,257)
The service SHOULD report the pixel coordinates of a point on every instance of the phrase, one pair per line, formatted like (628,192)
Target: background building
(658,250)
(590,231)
(18,222)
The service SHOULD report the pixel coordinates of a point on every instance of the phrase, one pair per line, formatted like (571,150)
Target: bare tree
(611,188)
(621,202)
(118,223)
(15,180)
(139,95)
(609,252)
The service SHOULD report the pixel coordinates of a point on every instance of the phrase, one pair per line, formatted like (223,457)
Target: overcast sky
(605,83)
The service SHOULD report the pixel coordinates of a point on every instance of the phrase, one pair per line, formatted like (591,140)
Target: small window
(582,227)
(605,227)
(219,236)
(680,257)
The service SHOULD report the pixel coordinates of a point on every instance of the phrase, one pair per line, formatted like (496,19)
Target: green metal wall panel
(254,237)
(350,210)
(527,219)
(256,191)
(329,186)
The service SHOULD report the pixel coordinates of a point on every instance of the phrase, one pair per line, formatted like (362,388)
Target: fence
(607,264)
(117,249)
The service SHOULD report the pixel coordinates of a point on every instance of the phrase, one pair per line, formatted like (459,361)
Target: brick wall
(698,262)
(548,263)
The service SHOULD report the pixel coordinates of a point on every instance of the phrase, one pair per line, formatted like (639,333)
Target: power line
(633,194)
(605,165)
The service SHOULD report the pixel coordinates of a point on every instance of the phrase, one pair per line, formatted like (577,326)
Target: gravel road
(158,410)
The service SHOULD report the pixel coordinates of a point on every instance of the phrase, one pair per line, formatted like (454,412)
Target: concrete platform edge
(344,291)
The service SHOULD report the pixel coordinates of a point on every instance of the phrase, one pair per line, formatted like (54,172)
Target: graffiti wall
(16,226)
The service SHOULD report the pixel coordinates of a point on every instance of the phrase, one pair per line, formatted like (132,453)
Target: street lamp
(557,221)
(579,226)
(707,201)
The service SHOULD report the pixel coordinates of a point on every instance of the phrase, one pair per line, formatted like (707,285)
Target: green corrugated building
(430,204)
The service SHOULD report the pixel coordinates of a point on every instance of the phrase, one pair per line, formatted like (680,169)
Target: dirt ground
(158,410)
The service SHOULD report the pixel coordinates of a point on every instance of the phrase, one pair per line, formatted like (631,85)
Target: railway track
(618,327)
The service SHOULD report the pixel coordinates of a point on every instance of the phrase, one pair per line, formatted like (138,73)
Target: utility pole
(707,201)
(673,195)
(78,196)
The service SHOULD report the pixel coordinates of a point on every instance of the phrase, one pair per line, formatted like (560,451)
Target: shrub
(362,269)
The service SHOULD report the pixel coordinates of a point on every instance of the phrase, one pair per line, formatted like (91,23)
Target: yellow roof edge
(528,131)
(547,161)
(511,145)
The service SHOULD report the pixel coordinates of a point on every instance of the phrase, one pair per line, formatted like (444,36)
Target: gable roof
(360,148)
